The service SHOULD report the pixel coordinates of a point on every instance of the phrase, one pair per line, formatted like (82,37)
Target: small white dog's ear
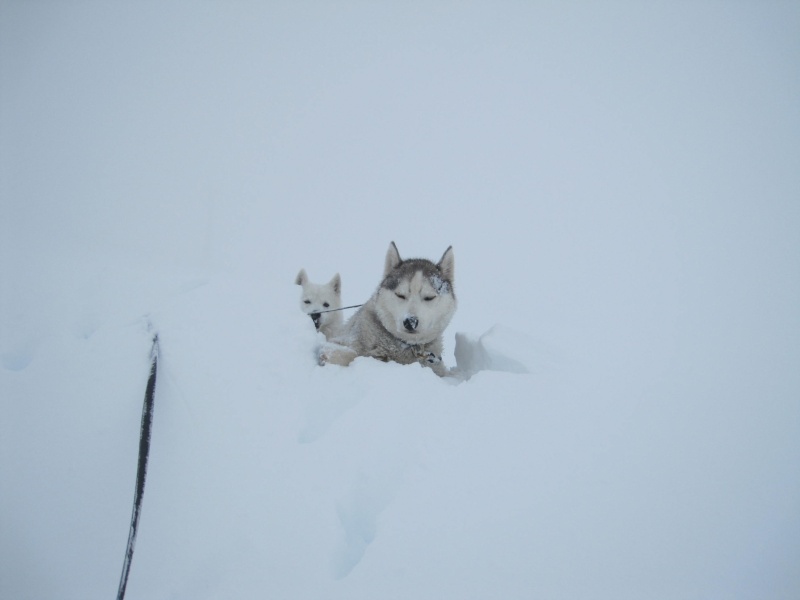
(447,265)
(336,284)
(392,259)
(301,277)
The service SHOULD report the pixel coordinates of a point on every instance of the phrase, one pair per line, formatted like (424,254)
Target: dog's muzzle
(410,323)
(315,317)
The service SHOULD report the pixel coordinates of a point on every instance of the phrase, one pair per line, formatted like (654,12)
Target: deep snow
(621,186)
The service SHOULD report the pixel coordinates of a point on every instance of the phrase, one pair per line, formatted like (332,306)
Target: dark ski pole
(141,471)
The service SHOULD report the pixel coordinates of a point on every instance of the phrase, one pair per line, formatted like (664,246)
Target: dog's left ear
(301,277)
(336,284)
(447,265)
(392,259)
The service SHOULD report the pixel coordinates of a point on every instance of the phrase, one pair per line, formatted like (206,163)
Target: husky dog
(404,319)
(317,298)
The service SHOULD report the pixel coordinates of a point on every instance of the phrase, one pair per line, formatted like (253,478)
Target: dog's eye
(307,301)
(325,304)
(428,298)
(401,296)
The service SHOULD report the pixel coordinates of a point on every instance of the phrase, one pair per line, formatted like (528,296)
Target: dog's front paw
(331,353)
(322,357)
(431,359)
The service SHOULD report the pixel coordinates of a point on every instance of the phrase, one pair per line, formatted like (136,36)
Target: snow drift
(619,184)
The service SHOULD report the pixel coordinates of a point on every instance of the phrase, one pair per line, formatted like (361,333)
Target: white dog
(316,299)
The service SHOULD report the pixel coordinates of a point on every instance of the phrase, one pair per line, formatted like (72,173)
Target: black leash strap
(319,312)
(316,315)
(141,471)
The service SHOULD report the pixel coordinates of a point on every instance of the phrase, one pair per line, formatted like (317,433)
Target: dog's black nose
(315,317)
(411,323)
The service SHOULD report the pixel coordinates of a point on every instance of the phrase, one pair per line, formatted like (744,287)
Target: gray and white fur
(404,319)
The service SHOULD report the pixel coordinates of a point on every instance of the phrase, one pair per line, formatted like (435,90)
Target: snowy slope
(620,186)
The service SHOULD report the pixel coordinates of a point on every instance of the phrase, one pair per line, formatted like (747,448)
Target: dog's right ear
(336,284)
(392,259)
(301,277)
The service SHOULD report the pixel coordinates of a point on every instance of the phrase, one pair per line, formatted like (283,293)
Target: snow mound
(502,349)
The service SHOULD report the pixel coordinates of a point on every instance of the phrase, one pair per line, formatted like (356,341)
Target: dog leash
(319,312)
(316,315)
(141,470)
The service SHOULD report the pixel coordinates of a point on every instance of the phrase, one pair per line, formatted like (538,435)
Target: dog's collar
(417,349)
(421,353)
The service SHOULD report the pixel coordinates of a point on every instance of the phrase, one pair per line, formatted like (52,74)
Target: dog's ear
(447,265)
(301,277)
(336,284)
(392,259)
